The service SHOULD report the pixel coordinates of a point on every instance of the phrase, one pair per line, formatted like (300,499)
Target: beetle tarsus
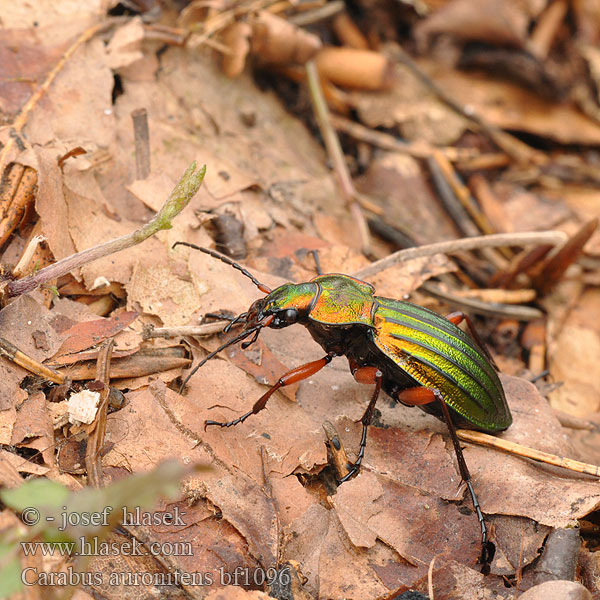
(228,423)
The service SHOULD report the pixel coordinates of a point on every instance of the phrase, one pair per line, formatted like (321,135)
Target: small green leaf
(10,577)
(37,492)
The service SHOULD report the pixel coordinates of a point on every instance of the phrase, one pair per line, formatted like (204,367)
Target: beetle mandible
(416,356)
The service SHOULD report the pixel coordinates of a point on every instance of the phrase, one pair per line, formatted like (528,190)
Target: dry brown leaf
(579,337)
(585,203)
(399,185)
(509,106)
(527,211)
(67,114)
(504,24)
(125,46)
(89,333)
(158,290)
(276,40)
(33,427)
(50,202)
(410,106)
(30,327)
(8,416)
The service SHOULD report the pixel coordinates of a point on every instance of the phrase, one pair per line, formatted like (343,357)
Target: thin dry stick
(22,117)
(142,142)
(28,255)
(418,149)
(11,352)
(442,175)
(223,19)
(197,330)
(484,439)
(463,194)
(334,150)
(95,442)
(498,296)
(309,17)
(471,243)
(521,313)
(430,577)
(338,452)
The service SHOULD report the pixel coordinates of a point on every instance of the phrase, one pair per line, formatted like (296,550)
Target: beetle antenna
(249,343)
(235,340)
(234,322)
(261,286)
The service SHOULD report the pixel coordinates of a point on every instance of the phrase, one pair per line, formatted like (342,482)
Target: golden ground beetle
(416,356)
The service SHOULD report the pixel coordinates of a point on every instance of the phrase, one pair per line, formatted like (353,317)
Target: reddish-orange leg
(422,395)
(457,318)
(293,376)
(364,375)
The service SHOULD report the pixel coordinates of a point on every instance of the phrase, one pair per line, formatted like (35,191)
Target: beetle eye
(289,316)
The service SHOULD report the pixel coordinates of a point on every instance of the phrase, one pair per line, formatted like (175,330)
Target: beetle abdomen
(438,354)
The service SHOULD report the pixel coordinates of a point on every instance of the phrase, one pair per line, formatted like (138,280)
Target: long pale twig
(508,311)
(334,150)
(197,330)
(491,441)
(453,246)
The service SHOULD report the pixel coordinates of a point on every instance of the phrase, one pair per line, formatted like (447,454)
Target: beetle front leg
(293,376)
(365,375)
(422,395)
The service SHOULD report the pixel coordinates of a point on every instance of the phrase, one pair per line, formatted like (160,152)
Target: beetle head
(284,306)
(289,303)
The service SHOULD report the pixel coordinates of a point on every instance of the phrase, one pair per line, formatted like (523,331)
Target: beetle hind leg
(422,395)
(365,375)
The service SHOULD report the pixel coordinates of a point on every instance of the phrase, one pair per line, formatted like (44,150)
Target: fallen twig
(334,150)
(198,330)
(142,142)
(509,311)
(95,442)
(470,243)
(33,366)
(490,441)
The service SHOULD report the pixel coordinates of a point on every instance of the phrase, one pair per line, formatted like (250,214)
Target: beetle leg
(293,376)
(419,395)
(364,375)
(457,318)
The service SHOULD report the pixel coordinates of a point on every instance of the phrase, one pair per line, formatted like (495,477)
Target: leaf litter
(268,495)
